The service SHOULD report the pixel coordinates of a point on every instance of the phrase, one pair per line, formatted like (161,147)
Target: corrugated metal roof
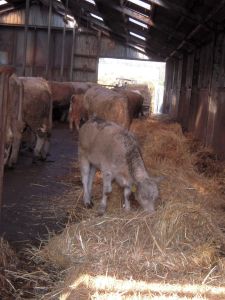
(173,26)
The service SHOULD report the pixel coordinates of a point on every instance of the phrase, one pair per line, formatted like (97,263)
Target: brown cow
(104,103)
(77,112)
(62,93)
(135,101)
(30,105)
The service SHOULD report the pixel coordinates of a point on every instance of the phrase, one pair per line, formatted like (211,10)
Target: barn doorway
(146,75)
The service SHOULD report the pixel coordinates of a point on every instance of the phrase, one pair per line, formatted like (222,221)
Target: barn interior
(51,247)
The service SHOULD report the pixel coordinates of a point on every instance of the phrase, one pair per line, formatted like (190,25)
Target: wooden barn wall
(88,47)
(195,93)
(38,16)
(12,42)
(81,65)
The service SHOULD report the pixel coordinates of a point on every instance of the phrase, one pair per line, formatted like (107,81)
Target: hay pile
(139,256)
(8,262)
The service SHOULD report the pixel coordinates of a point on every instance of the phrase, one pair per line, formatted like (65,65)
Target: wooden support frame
(5,73)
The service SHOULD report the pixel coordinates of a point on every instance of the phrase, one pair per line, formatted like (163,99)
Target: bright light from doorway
(112,72)
(141,3)
(96,17)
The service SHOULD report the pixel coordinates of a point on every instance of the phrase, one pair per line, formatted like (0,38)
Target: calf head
(147,193)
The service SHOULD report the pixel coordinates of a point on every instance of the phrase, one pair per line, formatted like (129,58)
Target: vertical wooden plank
(25,37)
(34,52)
(2,128)
(63,43)
(49,39)
(72,53)
(5,72)
(98,53)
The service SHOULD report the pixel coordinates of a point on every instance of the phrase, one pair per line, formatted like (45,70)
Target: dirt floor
(29,211)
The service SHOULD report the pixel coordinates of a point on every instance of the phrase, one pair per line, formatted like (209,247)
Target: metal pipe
(49,38)
(25,37)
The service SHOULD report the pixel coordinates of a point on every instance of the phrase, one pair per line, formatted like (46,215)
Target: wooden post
(99,37)
(34,51)
(25,37)
(63,43)
(49,39)
(5,72)
(72,53)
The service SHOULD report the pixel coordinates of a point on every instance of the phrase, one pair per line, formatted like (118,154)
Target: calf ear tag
(133,188)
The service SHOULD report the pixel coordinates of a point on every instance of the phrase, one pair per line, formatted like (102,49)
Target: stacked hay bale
(125,255)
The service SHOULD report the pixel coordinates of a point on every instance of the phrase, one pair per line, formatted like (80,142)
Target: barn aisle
(30,210)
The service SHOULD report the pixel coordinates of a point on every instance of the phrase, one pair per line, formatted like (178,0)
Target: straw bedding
(8,261)
(140,256)
(182,242)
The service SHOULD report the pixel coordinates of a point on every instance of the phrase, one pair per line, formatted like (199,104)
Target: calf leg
(71,125)
(91,177)
(85,174)
(107,188)
(77,124)
(127,192)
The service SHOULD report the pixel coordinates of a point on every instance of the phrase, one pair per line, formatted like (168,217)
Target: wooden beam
(170,5)
(199,26)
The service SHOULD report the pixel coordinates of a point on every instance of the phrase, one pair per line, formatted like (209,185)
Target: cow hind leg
(107,188)
(45,149)
(7,152)
(15,151)
(38,147)
(85,168)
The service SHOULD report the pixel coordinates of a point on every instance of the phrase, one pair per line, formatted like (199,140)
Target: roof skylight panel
(137,35)
(141,3)
(97,17)
(138,23)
